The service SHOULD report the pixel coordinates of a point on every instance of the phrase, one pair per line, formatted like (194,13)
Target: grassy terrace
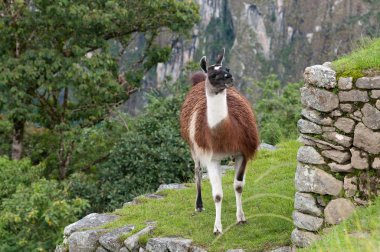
(365,60)
(268,205)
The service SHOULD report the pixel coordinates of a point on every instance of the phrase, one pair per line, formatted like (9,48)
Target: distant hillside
(263,37)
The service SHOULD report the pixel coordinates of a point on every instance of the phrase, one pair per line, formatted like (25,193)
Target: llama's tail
(197,77)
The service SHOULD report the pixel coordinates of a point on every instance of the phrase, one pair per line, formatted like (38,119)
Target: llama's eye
(213,76)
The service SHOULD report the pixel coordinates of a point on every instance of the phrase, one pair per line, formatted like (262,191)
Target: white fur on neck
(217,109)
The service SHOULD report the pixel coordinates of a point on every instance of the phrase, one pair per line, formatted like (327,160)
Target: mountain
(265,37)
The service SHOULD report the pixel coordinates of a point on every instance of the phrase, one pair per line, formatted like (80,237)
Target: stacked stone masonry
(339,164)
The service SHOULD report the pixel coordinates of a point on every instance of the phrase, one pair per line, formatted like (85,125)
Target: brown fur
(236,134)
(197,77)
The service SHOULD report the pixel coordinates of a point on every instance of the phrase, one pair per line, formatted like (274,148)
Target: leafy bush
(5,136)
(32,219)
(15,173)
(278,110)
(150,153)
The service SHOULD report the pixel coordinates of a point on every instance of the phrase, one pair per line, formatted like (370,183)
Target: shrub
(278,110)
(15,173)
(33,218)
(150,153)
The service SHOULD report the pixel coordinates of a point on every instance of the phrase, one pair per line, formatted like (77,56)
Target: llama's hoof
(242,222)
(218,230)
(199,209)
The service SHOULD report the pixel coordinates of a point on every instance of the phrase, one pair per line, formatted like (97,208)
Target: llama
(218,122)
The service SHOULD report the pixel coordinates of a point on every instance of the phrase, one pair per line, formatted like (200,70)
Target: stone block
(168,244)
(111,241)
(368,82)
(307,222)
(336,113)
(311,179)
(309,155)
(338,210)
(306,203)
(320,76)
(337,156)
(371,116)
(375,94)
(376,163)
(340,167)
(307,127)
(90,221)
(366,139)
(345,124)
(323,144)
(319,99)
(346,107)
(350,186)
(85,241)
(338,138)
(359,159)
(345,83)
(316,117)
(302,238)
(353,96)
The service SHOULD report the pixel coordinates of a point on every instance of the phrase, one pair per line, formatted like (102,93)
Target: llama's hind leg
(239,181)
(198,181)
(215,176)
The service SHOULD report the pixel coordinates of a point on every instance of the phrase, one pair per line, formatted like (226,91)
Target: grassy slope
(362,61)
(268,205)
(360,233)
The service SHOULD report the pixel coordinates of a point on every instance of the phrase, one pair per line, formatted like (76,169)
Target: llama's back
(237,134)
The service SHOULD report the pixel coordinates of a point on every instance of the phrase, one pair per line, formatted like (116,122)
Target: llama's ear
(203,64)
(220,58)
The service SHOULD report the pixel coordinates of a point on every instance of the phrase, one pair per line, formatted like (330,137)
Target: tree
(58,66)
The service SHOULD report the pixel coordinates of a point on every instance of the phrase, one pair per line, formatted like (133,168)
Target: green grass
(268,205)
(364,60)
(365,224)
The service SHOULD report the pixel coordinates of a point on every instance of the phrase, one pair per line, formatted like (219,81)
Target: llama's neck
(217,109)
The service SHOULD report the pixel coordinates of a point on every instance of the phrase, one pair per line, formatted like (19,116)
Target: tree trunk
(17,139)
(64,157)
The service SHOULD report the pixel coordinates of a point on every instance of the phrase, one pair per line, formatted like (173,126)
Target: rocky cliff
(263,37)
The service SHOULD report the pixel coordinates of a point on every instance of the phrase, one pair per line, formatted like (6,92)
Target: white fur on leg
(217,193)
(238,187)
(240,217)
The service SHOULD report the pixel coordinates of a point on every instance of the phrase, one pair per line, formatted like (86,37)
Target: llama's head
(218,76)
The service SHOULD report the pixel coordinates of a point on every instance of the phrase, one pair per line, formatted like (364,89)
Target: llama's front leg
(239,181)
(215,176)
(198,181)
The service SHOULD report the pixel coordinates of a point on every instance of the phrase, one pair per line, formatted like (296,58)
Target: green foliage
(361,61)
(32,219)
(149,153)
(15,173)
(58,63)
(5,136)
(278,110)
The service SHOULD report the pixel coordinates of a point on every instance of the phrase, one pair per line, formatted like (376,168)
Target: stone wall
(339,164)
